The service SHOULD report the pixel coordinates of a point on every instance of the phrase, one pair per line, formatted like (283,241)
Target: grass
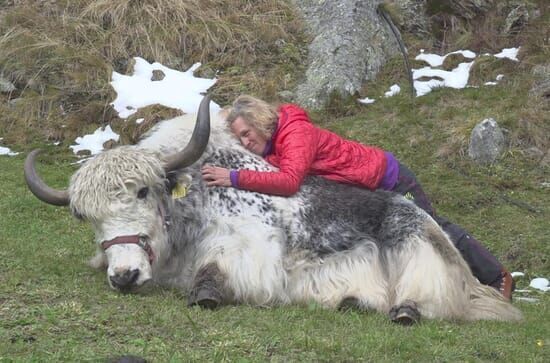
(53,307)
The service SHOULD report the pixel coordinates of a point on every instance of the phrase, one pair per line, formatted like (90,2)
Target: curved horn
(39,188)
(196,146)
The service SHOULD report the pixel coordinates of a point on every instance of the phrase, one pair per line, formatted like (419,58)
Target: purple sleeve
(234,176)
(392,172)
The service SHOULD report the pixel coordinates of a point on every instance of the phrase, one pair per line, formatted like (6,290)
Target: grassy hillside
(53,307)
(60,55)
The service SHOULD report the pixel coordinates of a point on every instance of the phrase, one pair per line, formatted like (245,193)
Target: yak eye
(142,193)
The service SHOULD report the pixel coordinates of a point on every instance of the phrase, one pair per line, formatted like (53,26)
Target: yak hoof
(206,292)
(349,303)
(405,314)
(206,298)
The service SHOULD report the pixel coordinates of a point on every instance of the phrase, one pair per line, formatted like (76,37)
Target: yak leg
(426,280)
(405,314)
(350,303)
(351,279)
(207,289)
(249,255)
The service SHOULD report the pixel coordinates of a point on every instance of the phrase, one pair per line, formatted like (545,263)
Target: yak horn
(39,188)
(196,146)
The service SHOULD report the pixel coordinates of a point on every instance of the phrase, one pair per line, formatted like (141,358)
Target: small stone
(486,142)
(158,75)
(6,86)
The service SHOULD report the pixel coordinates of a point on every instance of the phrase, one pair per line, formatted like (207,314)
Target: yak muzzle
(126,280)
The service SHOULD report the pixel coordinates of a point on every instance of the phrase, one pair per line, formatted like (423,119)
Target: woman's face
(249,136)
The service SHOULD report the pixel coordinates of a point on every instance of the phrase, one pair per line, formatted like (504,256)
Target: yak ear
(185,179)
(99,261)
(173,179)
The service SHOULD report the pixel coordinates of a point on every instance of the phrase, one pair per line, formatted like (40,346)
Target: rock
(469,9)
(123,65)
(486,142)
(6,86)
(83,153)
(545,162)
(109,144)
(534,153)
(541,86)
(351,43)
(158,75)
(413,17)
(13,102)
(516,20)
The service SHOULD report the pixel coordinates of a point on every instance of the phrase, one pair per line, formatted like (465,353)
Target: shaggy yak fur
(333,244)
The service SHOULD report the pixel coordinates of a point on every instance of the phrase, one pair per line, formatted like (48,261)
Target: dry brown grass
(60,54)
(131,132)
(486,68)
(485,33)
(224,32)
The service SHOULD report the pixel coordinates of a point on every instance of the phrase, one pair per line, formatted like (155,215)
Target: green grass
(53,307)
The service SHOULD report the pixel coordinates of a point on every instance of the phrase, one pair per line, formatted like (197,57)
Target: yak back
(325,216)
(338,216)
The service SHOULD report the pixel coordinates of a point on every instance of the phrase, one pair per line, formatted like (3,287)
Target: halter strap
(132,239)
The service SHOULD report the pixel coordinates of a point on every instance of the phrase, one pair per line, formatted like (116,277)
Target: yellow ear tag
(179,191)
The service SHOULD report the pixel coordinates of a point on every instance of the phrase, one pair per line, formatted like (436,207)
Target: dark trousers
(483,264)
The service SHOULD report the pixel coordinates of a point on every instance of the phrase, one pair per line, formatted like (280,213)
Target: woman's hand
(216,176)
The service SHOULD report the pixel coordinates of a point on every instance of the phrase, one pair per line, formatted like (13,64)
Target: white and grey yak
(155,221)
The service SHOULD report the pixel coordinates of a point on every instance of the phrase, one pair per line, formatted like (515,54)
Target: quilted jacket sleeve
(297,147)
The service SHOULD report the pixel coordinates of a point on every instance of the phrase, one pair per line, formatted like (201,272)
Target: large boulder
(469,9)
(413,18)
(516,20)
(351,42)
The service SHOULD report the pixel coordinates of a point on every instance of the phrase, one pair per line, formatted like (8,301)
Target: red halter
(133,239)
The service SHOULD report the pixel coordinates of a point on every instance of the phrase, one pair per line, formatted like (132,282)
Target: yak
(156,222)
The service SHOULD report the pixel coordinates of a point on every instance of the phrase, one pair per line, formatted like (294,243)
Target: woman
(287,139)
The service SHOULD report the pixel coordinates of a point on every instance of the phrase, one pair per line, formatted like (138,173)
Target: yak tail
(482,302)
(486,303)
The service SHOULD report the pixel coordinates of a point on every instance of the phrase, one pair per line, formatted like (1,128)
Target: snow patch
(395,89)
(366,100)
(94,142)
(180,90)
(540,283)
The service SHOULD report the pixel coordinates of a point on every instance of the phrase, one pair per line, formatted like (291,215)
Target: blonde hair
(255,113)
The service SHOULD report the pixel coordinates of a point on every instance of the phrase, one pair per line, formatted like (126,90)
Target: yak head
(124,194)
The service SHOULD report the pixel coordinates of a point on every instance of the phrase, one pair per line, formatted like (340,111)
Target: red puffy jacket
(300,148)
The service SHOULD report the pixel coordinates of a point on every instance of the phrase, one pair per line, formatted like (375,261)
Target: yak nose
(125,280)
